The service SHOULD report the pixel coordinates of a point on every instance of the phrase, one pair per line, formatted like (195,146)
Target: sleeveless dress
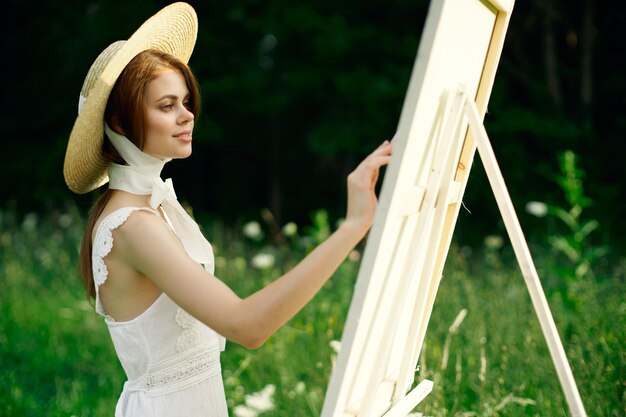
(171,360)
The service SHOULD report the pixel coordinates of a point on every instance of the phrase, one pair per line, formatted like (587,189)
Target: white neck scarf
(142,176)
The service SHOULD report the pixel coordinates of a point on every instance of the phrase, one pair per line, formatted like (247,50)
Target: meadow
(484,348)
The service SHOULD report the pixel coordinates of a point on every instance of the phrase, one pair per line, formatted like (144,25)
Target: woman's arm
(149,246)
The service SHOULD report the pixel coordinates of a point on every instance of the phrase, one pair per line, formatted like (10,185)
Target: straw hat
(172,30)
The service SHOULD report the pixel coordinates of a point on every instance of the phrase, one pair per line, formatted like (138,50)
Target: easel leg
(525,261)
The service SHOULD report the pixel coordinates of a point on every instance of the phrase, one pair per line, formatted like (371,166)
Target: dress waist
(179,371)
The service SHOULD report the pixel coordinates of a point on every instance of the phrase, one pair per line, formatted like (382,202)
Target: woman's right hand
(362,201)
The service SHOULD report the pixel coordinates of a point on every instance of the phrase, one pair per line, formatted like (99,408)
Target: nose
(186,116)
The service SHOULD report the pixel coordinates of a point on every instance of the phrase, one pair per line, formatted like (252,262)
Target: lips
(185,135)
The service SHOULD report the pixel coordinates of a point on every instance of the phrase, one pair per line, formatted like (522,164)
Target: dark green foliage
(295,93)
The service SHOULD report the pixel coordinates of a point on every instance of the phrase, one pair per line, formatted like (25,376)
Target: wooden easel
(419,202)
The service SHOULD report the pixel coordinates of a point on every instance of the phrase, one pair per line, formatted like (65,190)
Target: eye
(167,107)
(187,104)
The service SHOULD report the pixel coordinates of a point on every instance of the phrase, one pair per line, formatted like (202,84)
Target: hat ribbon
(142,176)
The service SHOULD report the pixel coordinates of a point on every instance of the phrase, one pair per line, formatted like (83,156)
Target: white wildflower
(243,411)
(300,387)
(494,242)
(268,43)
(30,222)
(354,256)
(65,220)
(537,208)
(307,241)
(263,261)
(336,346)
(290,229)
(44,257)
(262,401)
(252,230)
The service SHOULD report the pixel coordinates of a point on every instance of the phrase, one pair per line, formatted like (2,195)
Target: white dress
(171,360)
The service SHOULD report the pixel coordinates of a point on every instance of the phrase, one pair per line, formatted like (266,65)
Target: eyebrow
(170,96)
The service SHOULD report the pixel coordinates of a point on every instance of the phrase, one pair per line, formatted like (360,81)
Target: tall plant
(570,243)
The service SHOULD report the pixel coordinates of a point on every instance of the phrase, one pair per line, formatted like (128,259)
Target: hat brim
(172,30)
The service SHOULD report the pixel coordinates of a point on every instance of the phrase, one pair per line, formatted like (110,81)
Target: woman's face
(169,122)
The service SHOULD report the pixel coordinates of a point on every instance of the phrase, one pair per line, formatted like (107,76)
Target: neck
(129,199)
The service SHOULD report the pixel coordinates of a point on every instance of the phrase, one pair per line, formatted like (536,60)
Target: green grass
(56,357)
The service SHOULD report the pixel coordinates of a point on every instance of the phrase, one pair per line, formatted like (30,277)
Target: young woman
(144,259)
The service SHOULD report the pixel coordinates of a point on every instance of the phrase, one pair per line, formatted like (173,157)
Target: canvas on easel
(419,203)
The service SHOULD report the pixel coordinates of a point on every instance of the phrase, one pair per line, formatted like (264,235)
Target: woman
(144,259)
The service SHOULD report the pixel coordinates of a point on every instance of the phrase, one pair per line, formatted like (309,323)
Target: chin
(184,154)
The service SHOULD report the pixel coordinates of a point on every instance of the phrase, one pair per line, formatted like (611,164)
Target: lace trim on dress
(179,371)
(191,334)
(102,245)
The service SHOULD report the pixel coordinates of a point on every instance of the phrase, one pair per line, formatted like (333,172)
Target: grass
(57,359)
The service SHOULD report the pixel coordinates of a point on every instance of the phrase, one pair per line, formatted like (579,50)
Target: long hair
(125,113)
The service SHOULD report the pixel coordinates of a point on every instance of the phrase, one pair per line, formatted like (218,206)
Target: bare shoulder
(118,201)
(118,216)
(143,228)
(145,241)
